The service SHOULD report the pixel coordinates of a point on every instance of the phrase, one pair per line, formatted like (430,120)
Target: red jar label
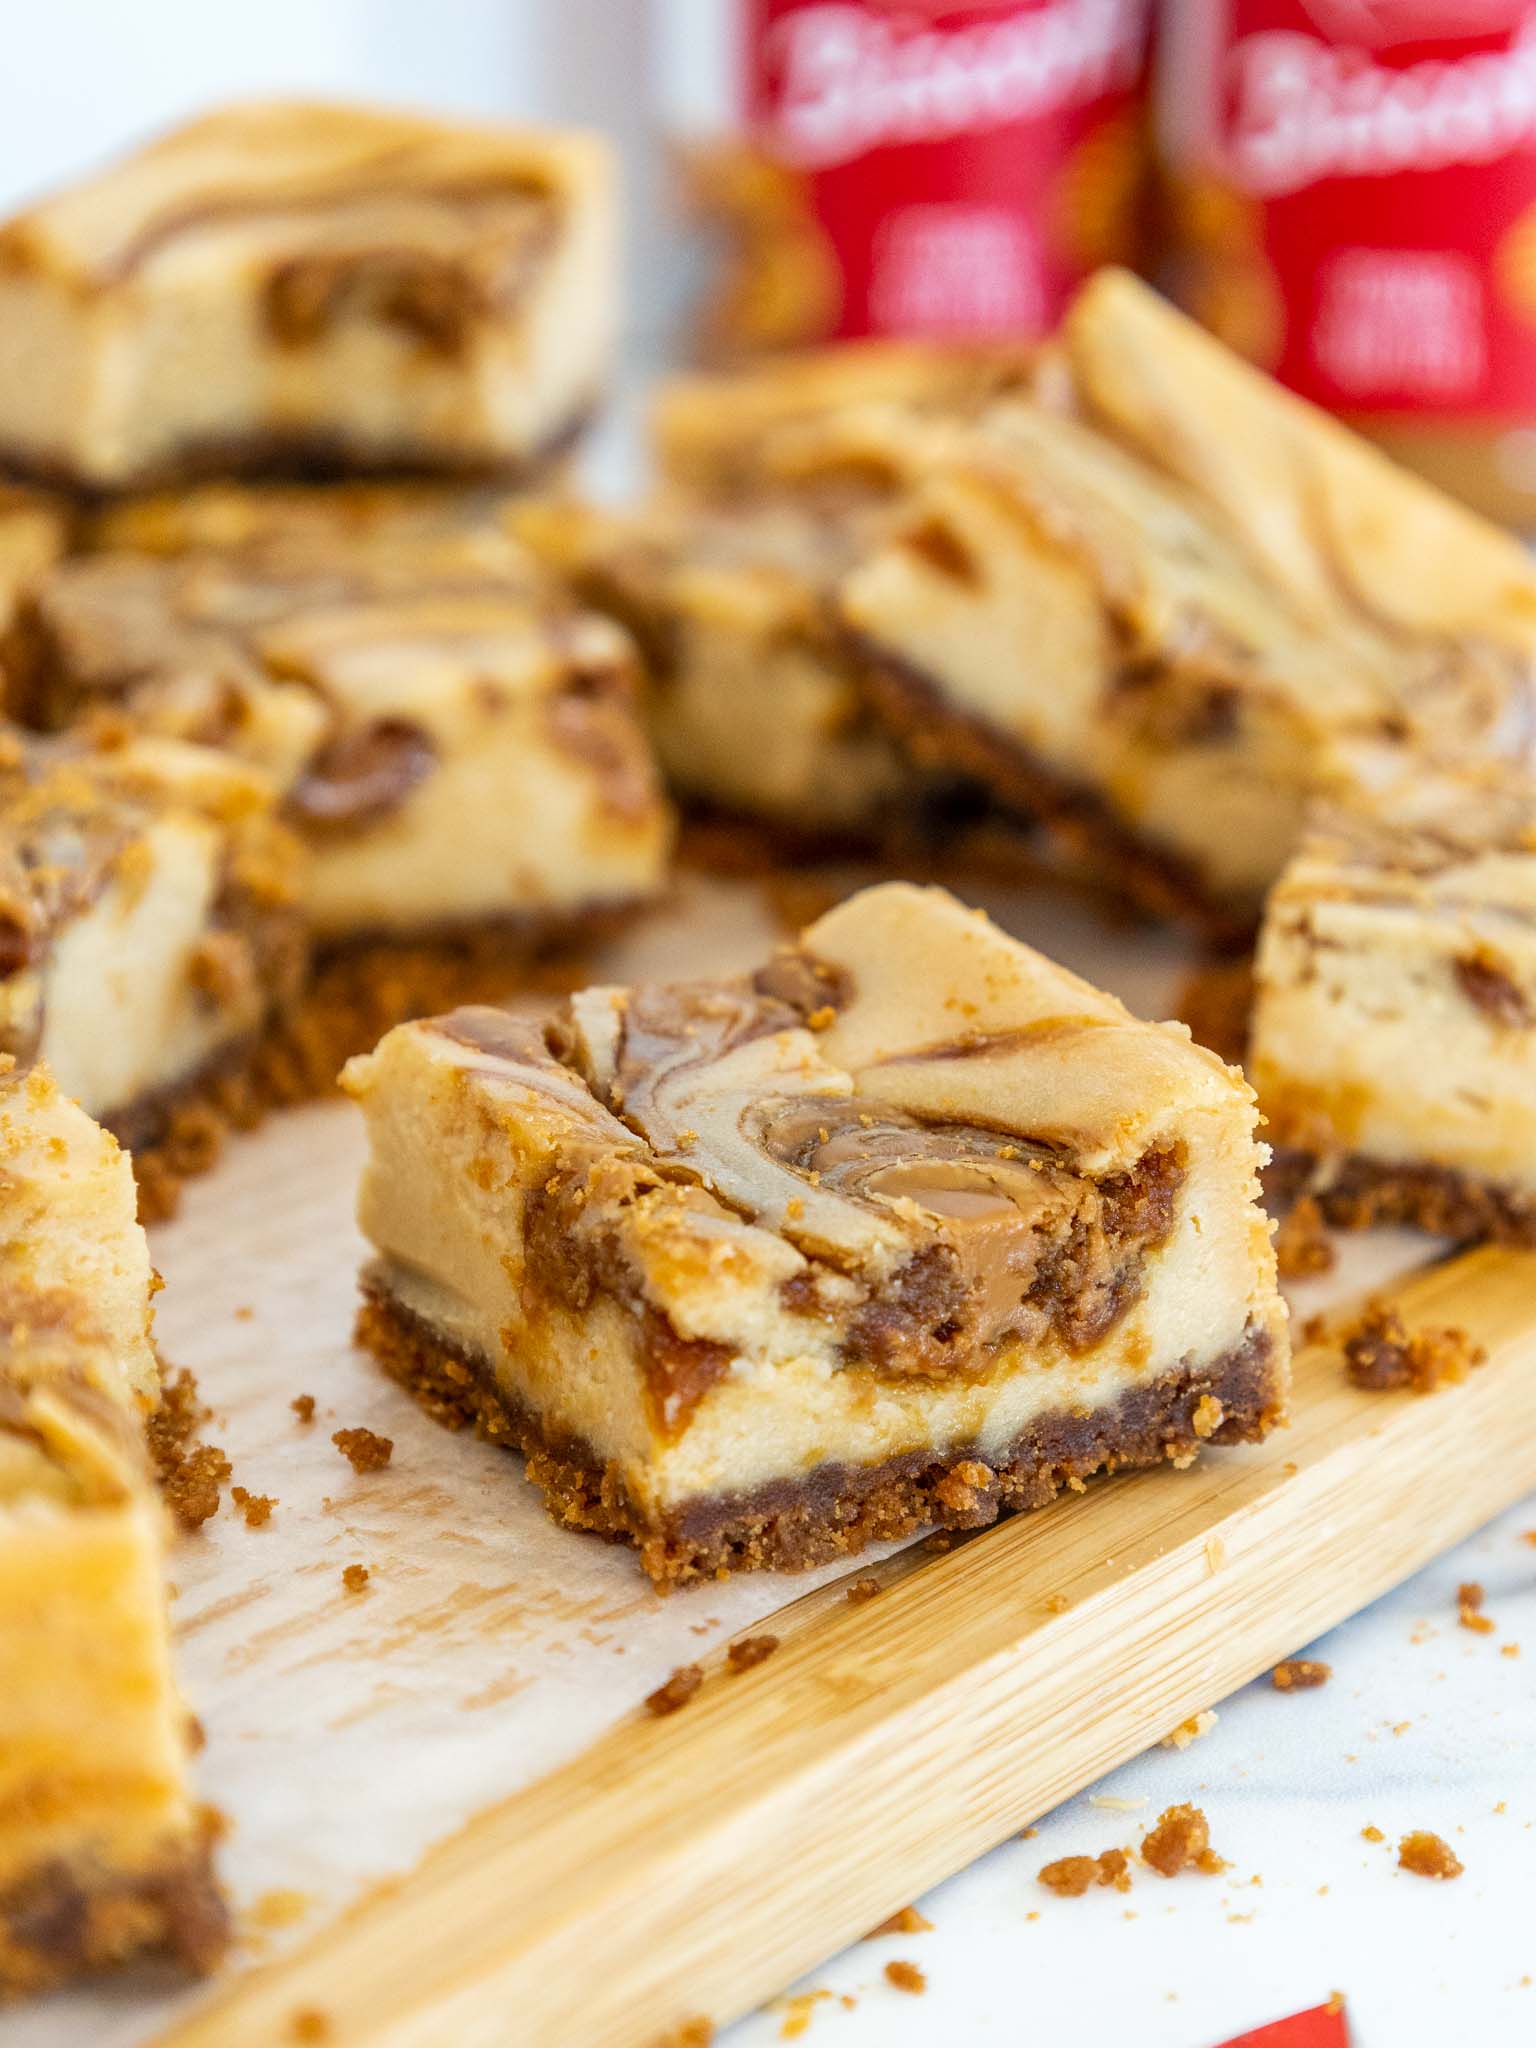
(1356,196)
(963,166)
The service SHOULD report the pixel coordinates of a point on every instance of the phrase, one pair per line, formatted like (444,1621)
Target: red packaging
(919,168)
(1354,206)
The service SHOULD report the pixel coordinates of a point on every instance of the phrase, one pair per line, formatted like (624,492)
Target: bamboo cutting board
(453,1826)
(709,1858)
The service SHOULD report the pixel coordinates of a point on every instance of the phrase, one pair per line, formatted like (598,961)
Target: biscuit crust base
(792,1525)
(355,993)
(942,739)
(299,457)
(1355,1193)
(66,1920)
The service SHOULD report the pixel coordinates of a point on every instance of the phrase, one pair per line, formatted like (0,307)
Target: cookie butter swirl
(957,1237)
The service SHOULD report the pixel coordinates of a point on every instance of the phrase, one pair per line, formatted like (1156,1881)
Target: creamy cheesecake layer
(149,917)
(1395,1007)
(455,744)
(1161,631)
(909,1192)
(309,284)
(102,1849)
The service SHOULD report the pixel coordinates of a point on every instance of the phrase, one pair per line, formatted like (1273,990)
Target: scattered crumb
(1208,1416)
(906,1977)
(1469,1609)
(694,2033)
(256,1507)
(1335,2001)
(1107,1803)
(1381,1354)
(1300,1674)
(363,1449)
(1372,1834)
(749,1651)
(1303,1247)
(1028,1834)
(863,1589)
(907,1921)
(354,1577)
(1057,1603)
(244,1312)
(1427,1855)
(1509,1649)
(1189,1731)
(1180,1841)
(938,1542)
(304,1407)
(678,1690)
(797,2010)
(190,1473)
(280,1908)
(309,2025)
(1070,1876)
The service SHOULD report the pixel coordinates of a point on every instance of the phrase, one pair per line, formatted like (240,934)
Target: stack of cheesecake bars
(332,710)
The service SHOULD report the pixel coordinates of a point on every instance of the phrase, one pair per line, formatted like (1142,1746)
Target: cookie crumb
(1427,1855)
(244,1313)
(190,1473)
(693,2033)
(1189,1731)
(1372,1834)
(309,2025)
(1208,1417)
(1469,1609)
(354,1577)
(363,1449)
(863,1589)
(303,1405)
(1300,1674)
(907,1921)
(256,1507)
(1181,1840)
(1070,1876)
(906,1977)
(1382,1355)
(749,1651)
(1303,1247)
(678,1690)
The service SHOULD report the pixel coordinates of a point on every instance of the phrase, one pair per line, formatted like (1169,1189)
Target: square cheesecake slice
(910,1226)
(1153,603)
(104,1853)
(752,700)
(1393,1040)
(151,937)
(458,747)
(309,287)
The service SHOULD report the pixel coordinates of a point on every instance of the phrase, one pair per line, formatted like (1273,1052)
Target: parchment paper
(349,1731)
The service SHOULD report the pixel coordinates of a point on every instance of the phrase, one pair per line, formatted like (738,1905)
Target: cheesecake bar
(311,288)
(1394,1026)
(151,937)
(1153,603)
(752,702)
(103,1852)
(910,1226)
(456,745)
